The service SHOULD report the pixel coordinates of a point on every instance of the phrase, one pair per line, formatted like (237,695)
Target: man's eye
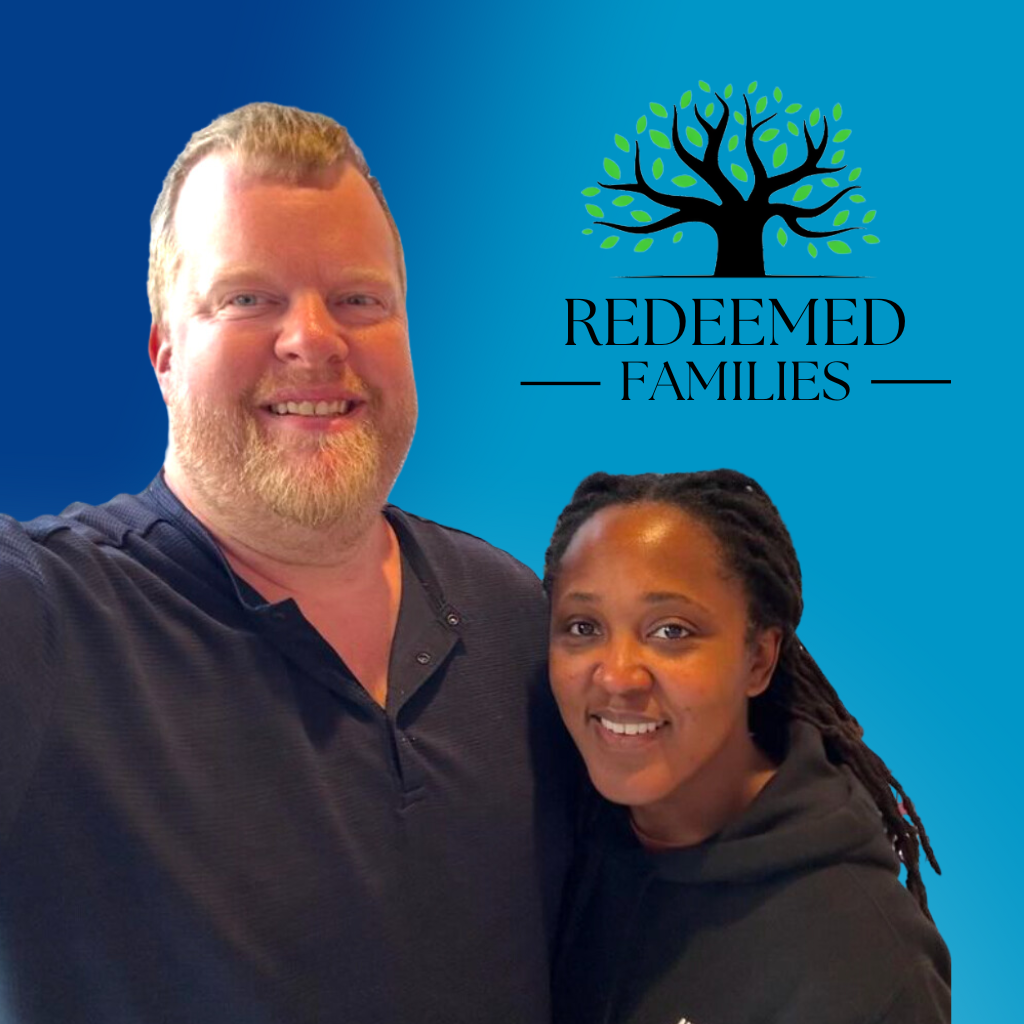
(245,300)
(582,629)
(359,300)
(671,631)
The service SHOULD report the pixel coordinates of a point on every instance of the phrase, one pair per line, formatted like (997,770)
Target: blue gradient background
(483,128)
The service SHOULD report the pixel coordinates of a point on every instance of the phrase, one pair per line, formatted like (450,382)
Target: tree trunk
(740,249)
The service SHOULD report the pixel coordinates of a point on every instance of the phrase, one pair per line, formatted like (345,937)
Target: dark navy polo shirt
(203,817)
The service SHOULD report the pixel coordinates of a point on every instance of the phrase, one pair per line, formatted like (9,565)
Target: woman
(750,875)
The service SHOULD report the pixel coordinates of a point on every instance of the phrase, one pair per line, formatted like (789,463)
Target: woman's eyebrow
(659,596)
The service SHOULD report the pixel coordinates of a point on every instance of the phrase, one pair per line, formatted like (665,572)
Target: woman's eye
(582,629)
(671,631)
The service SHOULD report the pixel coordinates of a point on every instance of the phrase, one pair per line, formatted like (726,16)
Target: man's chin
(317,499)
(312,480)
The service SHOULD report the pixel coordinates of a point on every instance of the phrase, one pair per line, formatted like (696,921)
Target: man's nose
(310,335)
(622,667)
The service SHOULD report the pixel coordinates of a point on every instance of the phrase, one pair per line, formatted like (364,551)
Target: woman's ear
(764,656)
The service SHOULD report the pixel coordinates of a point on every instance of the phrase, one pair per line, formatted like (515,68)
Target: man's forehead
(217,178)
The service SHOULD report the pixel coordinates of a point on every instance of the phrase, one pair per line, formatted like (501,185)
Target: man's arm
(29,645)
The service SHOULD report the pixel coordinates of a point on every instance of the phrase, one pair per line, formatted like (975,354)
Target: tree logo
(734,171)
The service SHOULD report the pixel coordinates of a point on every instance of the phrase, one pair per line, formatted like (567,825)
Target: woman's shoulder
(801,899)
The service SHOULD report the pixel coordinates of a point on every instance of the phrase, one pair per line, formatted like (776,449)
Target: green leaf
(838,246)
(588,231)
(694,136)
(793,108)
(658,109)
(856,199)
(812,249)
(777,93)
(837,156)
(782,237)
(837,112)
(660,139)
(872,239)
(734,142)
(779,156)
(738,172)
(622,143)
(622,201)
(752,88)
(641,124)
(728,91)
(594,211)
(740,118)
(855,173)
(643,245)
(841,218)
(609,241)
(802,193)
(815,114)
(677,237)
(704,86)
(842,136)
(658,168)
(611,168)
(684,100)
(591,191)
(641,216)
(709,110)
(793,130)
(684,180)
(830,182)
(869,216)
(768,134)
(760,105)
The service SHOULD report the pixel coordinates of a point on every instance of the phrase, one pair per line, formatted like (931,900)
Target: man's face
(284,359)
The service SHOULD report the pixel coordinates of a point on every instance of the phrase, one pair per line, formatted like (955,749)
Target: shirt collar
(169,508)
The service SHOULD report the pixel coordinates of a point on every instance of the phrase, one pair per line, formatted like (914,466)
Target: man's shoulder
(86,544)
(81,524)
(463,557)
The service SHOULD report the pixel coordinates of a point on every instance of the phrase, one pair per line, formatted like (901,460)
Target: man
(267,752)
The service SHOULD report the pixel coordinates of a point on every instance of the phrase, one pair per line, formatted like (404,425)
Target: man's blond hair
(270,141)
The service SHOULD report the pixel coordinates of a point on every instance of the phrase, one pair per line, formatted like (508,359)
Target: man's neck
(347,583)
(259,545)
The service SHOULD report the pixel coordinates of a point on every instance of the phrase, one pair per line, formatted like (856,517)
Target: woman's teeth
(629,728)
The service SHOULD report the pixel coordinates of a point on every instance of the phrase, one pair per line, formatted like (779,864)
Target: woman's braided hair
(758,548)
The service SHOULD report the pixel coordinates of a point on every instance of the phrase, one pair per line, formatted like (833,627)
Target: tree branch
(711,173)
(791,220)
(641,186)
(810,165)
(760,174)
(777,208)
(696,211)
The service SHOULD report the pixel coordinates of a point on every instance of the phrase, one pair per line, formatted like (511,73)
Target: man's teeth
(629,728)
(311,408)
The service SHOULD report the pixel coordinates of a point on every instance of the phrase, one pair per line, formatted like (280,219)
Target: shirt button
(423,658)
(452,619)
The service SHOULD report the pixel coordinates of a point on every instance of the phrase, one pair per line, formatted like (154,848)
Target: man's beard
(311,480)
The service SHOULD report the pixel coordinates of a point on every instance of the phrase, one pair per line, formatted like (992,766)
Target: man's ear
(764,656)
(160,355)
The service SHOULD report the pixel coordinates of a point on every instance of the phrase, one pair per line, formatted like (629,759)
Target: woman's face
(652,658)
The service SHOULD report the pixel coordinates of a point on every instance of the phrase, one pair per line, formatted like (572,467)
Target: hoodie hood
(811,813)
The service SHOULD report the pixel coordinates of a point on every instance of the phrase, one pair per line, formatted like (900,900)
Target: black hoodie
(791,915)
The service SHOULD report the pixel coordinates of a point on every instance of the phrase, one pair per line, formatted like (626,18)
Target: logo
(739,165)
